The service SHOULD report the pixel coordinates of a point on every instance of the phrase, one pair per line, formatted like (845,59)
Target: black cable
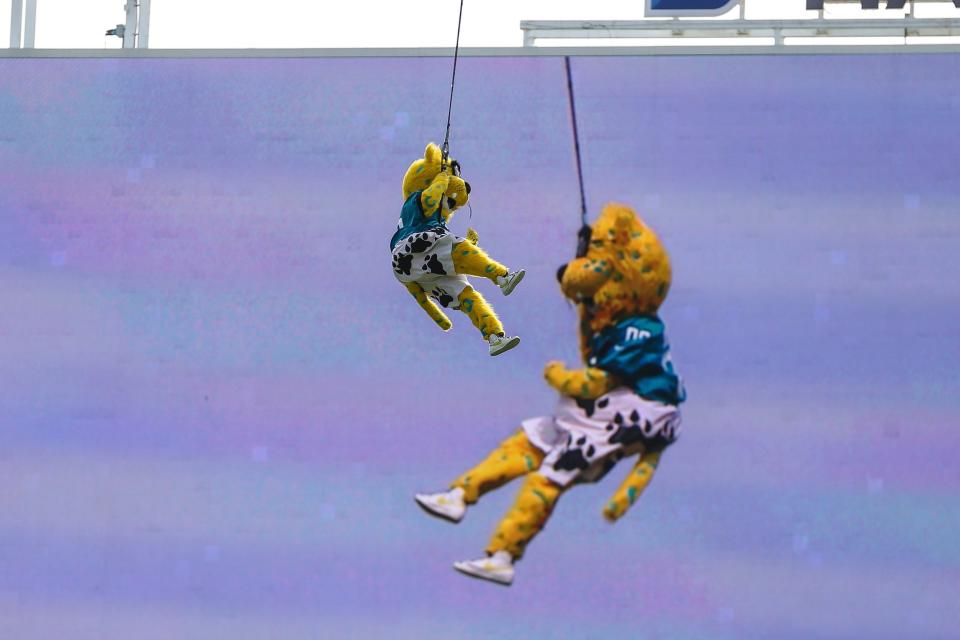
(585,232)
(453,80)
(576,141)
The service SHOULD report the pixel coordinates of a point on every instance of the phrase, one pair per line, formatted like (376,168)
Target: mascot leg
(480,313)
(471,260)
(428,305)
(526,518)
(514,457)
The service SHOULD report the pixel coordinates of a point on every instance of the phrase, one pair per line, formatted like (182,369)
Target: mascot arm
(432,196)
(429,306)
(631,488)
(587,384)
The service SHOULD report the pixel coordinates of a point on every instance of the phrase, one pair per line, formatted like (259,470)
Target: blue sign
(689,7)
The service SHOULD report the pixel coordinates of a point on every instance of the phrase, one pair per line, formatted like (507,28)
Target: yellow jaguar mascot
(623,402)
(432,263)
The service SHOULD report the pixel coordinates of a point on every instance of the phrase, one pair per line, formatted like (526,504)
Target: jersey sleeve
(414,208)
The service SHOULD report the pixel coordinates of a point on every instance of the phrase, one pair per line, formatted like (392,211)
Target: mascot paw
(472,235)
(444,323)
(611,512)
(554,370)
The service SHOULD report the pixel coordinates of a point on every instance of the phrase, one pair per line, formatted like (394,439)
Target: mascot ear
(433,155)
(624,220)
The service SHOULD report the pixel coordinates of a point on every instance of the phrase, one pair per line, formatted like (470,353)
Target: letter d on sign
(689,7)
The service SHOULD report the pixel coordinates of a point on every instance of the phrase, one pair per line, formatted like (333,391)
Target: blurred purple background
(217,402)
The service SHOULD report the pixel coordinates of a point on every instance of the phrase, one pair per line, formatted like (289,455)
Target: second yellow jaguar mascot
(432,263)
(623,402)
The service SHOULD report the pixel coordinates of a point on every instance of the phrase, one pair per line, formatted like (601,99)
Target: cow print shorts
(584,439)
(427,259)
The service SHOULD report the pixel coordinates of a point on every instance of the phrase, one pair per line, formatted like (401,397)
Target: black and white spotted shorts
(584,439)
(427,259)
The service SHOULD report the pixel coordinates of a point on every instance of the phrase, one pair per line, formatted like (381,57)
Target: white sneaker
(499,344)
(448,505)
(509,281)
(497,568)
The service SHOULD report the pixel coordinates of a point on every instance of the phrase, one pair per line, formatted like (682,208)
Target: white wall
(372,23)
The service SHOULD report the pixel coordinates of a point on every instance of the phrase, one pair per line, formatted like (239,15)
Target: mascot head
(422,172)
(625,271)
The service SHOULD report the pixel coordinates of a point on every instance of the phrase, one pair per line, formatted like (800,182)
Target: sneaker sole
(436,514)
(480,576)
(513,284)
(510,344)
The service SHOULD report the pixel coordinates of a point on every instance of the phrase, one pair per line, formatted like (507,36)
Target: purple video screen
(217,402)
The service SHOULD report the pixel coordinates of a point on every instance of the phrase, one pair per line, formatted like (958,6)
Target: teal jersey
(412,220)
(636,352)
